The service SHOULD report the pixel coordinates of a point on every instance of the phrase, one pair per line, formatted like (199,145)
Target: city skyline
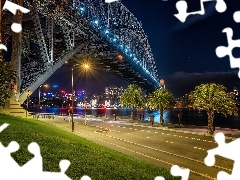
(55,87)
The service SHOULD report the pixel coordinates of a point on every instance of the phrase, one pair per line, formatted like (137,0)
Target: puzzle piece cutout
(16,27)
(7,163)
(182,9)
(13,9)
(222,51)
(228,150)
(3,47)
(177,171)
(236,16)
(3,126)
(33,169)
(110,1)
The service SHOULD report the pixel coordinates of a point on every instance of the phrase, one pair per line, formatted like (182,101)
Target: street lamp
(85,109)
(85,66)
(39,95)
(72,97)
(27,102)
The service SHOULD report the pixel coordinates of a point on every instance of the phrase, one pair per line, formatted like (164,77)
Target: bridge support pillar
(16,52)
(1,29)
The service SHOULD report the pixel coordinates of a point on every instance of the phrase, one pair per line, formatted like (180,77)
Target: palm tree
(132,98)
(160,99)
(214,99)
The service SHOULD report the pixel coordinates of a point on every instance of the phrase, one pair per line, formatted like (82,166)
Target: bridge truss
(60,30)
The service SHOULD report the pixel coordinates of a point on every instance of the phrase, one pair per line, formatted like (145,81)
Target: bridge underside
(57,31)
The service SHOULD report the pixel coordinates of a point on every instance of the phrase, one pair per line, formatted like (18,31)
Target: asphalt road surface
(159,146)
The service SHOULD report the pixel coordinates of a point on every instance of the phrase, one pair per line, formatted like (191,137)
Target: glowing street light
(85,66)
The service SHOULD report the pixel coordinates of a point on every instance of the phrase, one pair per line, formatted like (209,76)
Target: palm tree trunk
(161,116)
(210,122)
(132,114)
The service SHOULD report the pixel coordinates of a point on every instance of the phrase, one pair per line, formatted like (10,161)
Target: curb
(186,131)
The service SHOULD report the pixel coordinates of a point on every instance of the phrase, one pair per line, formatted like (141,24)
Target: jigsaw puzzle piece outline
(12,7)
(110,1)
(182,7)
(222,51)
(226,150)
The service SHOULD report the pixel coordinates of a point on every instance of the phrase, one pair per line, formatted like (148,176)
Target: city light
(96,22)
(106,31)
(120,57)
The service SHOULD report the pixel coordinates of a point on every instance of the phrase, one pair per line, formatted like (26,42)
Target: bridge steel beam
(50,71)
(76,25)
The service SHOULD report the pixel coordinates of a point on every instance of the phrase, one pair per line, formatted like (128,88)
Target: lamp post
(39,95)
(85,66)
(27,103)
(85,109)
(72,97)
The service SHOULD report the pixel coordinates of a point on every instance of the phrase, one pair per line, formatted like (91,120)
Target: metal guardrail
(44,115)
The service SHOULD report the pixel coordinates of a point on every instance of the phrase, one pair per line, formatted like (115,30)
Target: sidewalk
(201,130)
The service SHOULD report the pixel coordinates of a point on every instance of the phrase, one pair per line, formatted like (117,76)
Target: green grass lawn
(86,157)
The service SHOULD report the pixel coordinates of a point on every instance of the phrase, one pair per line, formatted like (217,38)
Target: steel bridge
(62,30)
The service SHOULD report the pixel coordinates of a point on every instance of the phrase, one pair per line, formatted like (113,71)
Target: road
(159,146)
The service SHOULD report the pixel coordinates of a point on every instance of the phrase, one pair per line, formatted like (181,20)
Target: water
(189,116)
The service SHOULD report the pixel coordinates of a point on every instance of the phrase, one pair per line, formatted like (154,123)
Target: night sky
(184,52)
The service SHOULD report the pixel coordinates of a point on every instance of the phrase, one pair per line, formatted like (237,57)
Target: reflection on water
(188,116)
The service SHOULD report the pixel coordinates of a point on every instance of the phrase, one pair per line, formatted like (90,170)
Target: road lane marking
(163,133)
(201,174)
(166,162)
(171,153)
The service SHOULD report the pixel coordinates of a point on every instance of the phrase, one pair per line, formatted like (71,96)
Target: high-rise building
(113,94)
